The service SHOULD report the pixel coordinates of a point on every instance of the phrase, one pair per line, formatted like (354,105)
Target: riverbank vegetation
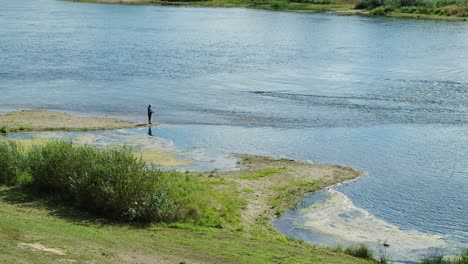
(64,202)
(430,9)
(114,184)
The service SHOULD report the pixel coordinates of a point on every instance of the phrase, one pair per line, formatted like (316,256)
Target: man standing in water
(150,112)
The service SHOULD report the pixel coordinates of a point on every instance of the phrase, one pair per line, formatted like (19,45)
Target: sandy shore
(40,120)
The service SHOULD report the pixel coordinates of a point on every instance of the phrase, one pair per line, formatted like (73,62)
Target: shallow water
(387,96)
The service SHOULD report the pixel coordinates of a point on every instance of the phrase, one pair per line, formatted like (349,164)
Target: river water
(386,96)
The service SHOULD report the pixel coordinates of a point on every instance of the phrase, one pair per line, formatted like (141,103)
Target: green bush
(115,184)
(369,4)
(279,4)
(112,183)
(12,168)
(380,11)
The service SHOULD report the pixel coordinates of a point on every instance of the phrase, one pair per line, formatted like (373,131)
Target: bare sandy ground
(39,120)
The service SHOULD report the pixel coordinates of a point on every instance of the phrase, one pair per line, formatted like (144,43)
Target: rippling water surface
(387,96)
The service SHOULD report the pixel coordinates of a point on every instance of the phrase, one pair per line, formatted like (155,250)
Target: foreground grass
(82,237)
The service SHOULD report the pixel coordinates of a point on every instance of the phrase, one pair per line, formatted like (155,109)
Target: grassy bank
(59,208)
(424,9)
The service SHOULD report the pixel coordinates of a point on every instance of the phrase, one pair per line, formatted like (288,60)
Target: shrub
(279,4)
(4,130)
(12,168)
(369,4)
(115,184)
(112,183)
(380,11)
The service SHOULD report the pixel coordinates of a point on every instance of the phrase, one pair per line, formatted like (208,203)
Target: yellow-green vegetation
(262,173)
(69,203)
(14,129)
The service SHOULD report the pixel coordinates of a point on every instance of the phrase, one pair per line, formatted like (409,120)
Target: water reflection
(150,131)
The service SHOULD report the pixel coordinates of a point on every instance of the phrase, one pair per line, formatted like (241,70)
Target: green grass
(80,200)
(23,218)
(263,173)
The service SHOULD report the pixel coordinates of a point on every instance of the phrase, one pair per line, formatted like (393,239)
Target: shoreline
(266,186)
(342,8)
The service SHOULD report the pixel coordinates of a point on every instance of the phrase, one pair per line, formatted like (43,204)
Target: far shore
(345,7)
(45,120)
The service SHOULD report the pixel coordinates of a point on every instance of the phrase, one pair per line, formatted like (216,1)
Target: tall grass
(115,184)
(440,259)
(12,163)
(362,251)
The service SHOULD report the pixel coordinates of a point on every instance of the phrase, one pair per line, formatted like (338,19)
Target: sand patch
(41,248)
(39,120)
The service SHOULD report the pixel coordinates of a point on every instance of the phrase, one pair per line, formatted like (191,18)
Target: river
(386,96)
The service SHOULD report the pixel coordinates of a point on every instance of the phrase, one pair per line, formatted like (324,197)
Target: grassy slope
(24,219)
